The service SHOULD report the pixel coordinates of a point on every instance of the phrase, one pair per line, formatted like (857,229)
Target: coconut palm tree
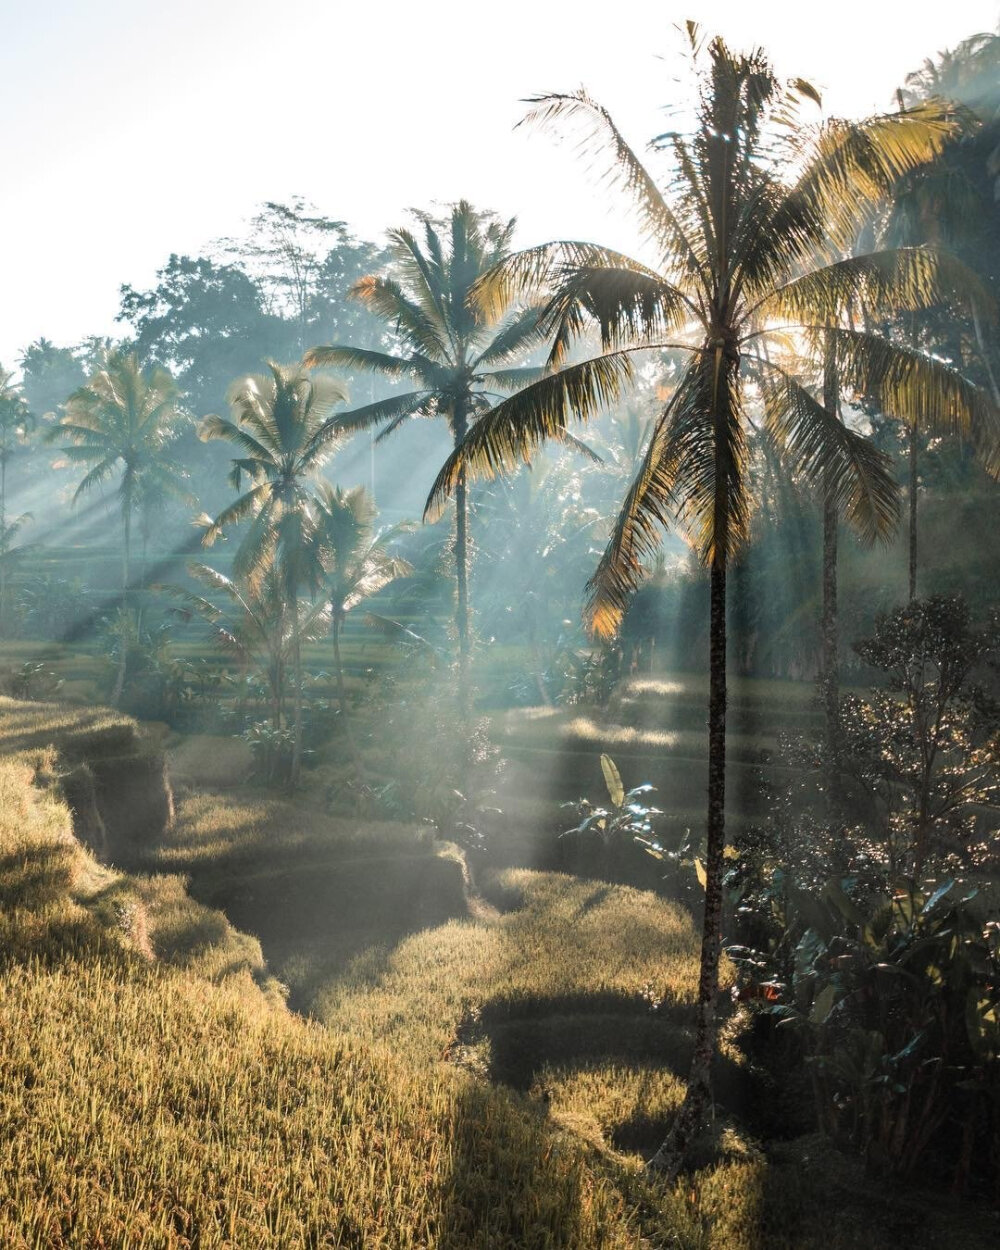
(352,561)
(456,356)
(740,233)
(16,423)
(122,421)
(952,202)
(284,427)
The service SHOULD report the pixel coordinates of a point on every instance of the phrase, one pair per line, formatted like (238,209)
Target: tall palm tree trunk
(461,547)
(462,569)
(830,671)
(914,451)
(119,686)
(674,1151)
(293,779)
(830,633)
(338,664)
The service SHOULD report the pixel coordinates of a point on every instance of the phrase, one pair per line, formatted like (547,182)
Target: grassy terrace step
(152,1095)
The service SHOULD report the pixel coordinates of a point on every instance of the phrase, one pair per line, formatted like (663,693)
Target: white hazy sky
(137,128)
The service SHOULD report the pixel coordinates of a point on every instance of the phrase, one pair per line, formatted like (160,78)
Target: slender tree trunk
(293,779)
(352,745)
(674,1153)
(914,451)
(698,1098)
(461,549)
(277,678)
(338,664)
(119,686)
(984,352)
(830,674)
(830,669)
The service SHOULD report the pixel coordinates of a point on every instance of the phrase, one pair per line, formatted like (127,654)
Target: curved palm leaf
(510,432)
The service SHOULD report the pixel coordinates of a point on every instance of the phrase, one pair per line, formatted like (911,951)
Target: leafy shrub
(48,607)
(34,679)
(920,758)
(271,752)
(898,999)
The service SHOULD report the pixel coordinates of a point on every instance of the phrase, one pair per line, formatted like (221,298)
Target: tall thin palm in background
(16,423)
(122,421)
(353,561)
(457,356)
(283,424)
(954,201)
(253,621)
(740,279)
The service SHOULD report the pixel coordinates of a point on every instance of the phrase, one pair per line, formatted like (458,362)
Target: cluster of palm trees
(753,280)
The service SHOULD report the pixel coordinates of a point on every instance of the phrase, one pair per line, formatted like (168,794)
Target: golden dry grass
(156,1092)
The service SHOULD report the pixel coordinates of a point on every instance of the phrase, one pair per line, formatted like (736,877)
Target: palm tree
(253,621)
(16,423)
(353,561)
(283,424)
(456,356)
(951,202)
(122,420)
(739,276)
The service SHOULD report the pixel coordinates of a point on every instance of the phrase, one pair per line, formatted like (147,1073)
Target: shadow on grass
(526,1035)
(314,920)
(512,1187)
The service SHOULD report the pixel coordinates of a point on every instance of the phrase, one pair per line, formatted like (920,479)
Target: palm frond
(397,632)
(618,166)
(97,475)
(511,340)
(880,283)
(510,432)
(851,166)
(694,468)
(362,358)
(648,507)
(381,412)
(215,427)
(514,379)
(387,299)
(629,306)
(853,472)
(917,388)
(246,506)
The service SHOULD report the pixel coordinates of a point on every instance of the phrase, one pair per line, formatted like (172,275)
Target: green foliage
(628,818)
(35,679)
(898,996)
(49,607)
(923,755)
(271,750)
(50,375)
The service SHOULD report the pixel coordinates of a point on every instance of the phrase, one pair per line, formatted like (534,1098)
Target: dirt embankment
(112,773)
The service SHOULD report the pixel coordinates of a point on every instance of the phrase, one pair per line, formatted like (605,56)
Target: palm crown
(353,560)
(123,419)
(746,281)
(283,424)
(456,353)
